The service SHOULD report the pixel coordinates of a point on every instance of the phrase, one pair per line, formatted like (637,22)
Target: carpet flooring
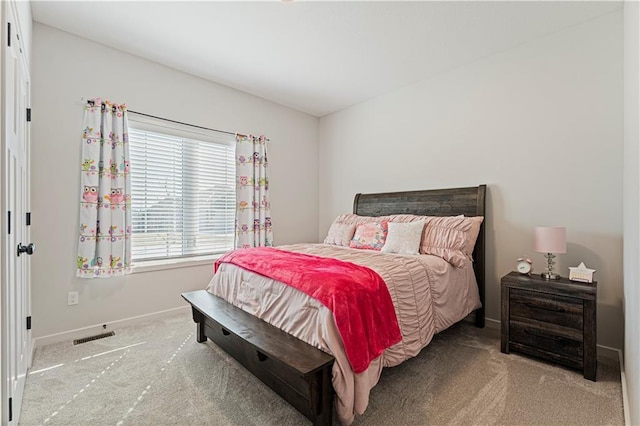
(157,374)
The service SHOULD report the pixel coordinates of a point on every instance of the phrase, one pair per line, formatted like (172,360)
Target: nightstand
(550,319)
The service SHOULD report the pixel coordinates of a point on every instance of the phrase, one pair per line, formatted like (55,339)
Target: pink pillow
(476,221)
(447,237)
(452,238)
(340,234)
(407,218)
(370,236)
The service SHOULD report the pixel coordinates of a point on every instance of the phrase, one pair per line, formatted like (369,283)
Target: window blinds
(182,195)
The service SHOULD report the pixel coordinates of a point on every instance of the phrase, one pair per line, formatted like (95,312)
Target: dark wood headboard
(435,202)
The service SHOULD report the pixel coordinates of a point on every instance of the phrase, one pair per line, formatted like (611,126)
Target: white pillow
(404,238)
(340,234)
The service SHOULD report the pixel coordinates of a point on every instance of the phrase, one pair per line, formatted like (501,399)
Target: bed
(308,320)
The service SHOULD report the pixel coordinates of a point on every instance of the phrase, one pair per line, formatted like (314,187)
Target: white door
(16,250)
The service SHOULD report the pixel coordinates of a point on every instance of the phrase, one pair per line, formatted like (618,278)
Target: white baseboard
(607,352)
(492,324)
(625,395)
(98,328)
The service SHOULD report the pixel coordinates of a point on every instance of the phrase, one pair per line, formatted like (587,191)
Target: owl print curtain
(253,208)
(104,248)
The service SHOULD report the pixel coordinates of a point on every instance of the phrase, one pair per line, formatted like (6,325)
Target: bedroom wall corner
(67,68)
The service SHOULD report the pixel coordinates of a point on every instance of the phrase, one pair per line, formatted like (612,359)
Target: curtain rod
(180,122)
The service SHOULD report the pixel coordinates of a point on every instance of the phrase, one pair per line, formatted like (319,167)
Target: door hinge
(28,219)
(28,114)
(9,34)
(10,409)
(29,322)
(9,222)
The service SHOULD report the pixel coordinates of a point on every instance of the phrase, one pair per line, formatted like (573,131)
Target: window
(182,191)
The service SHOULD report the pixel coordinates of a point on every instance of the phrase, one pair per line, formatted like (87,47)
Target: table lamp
(550,240)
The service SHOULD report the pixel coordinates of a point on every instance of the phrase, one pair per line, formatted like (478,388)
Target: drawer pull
(547,308)
(546,336)
(225,332)
(261,356)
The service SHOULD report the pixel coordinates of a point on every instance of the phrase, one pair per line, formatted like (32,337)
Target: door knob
(29,249)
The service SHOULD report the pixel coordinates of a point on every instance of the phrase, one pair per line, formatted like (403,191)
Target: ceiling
(317,57)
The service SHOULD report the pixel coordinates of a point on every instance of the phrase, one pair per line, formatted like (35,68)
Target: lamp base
(550,276)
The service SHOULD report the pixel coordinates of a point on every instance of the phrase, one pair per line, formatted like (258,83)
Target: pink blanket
(357,296)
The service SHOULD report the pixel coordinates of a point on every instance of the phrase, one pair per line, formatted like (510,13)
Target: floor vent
(96,337)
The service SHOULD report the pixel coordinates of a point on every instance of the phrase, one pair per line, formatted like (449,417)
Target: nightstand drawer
(547,337)
(554,309)
(549,356)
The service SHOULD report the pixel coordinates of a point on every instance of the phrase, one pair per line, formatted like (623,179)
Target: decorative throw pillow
(447,237)
(370,236)
(340,234)
(404,238)
(476,221)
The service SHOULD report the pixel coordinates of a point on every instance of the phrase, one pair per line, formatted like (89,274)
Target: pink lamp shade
(550,239)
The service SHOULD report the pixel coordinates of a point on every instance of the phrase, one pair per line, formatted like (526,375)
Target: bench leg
(325,418)
(480,317)
(198,317)
(201,338)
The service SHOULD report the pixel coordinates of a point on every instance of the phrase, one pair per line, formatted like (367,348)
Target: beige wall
(632,207)
(541,124)
(67,68)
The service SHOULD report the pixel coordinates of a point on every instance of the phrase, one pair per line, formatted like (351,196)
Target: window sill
(159,265)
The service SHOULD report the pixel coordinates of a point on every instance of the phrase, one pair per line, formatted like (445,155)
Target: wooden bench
(297,371)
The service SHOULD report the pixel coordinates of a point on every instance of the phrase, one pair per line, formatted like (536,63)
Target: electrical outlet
(72,298)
